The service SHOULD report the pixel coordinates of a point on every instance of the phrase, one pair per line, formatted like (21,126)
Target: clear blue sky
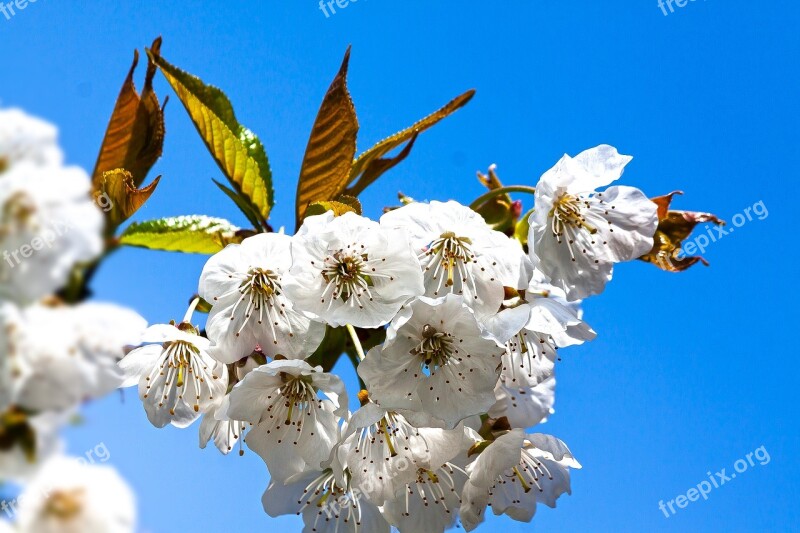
(690,372)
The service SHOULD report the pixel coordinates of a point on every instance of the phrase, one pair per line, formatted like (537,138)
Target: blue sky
(690,372)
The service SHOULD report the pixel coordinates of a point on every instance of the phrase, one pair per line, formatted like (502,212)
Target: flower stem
(356,341)
(500,191)
(187,318)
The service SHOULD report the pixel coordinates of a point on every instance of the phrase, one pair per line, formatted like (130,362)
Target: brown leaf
(372,164)
(134,138)
(125,198)
(331,147)
(673,228)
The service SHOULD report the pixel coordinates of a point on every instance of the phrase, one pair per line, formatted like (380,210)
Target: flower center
(16,431)
(529,473)
(346,275)
(64,505)
(299,397)
(17,212)
(568,211)
(452,254)
(182,367)
(434,350)
(260,289)
(332,501)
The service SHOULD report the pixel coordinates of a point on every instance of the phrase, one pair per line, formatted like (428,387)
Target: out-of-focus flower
(177,378)
(350,270)
(577,234)
(72,497)
(244,283)
(48,224)
(62,355)
(27,138)
(27,441)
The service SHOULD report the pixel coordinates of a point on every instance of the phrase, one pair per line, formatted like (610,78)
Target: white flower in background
(437,359)
(244,283)
(294,429)
(384,452)
(71,497)
(177,378)
(63,355)
(327,501)
(48,223)
(430,503)
(225,433)
(513,474)
(577,234)
(27,138)
(460,254)
(350,270)
(524,406)
(5,361)
(26,442)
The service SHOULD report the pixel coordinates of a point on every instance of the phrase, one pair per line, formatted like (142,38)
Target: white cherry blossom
(513,474)
(430,503)
(48,224)
(524,406)
(437,359)
(327,501)
(35,439)
(460,254)
(27,138)
(350,270)
(294,429)
(577,234)
(217,427)
(176,376)
(62,355)
(384,452)
(244,283)
(69,496)
(538,322)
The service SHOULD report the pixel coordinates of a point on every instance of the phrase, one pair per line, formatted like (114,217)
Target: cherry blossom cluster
(53,356)
(468,320)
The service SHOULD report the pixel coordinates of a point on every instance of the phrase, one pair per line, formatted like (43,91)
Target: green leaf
(372,164)
(320,208)
(244,206)
(238,152)
(188,234)
(331,146)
